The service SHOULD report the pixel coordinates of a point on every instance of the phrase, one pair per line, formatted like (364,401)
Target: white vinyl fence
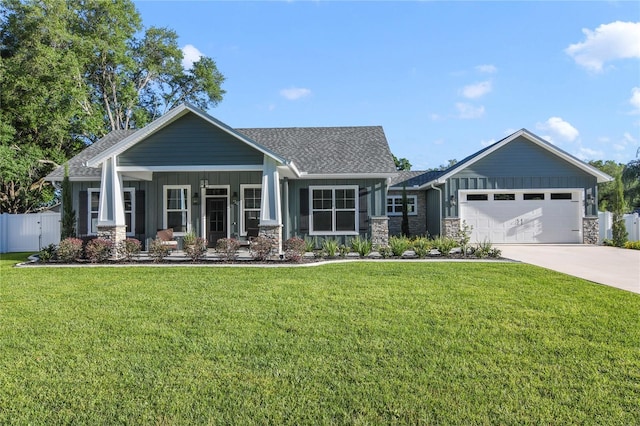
(631,221)
(28,232)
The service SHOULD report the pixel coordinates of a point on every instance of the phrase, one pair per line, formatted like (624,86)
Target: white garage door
(540,216)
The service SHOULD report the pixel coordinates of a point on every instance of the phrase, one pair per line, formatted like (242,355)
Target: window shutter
(304,210)
(363,210)
(140,216)
(83,213)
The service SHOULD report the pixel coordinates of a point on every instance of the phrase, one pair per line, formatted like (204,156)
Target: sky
(443,78)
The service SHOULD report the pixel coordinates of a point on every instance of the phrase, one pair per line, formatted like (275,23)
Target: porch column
(111,223)
(270,204)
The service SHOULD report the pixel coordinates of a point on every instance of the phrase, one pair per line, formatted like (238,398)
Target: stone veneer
(379,230)
(451,227)
(274,233)
(590,230)
(115,234)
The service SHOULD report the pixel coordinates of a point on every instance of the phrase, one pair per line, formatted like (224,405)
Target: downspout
(285,208)
(439,208)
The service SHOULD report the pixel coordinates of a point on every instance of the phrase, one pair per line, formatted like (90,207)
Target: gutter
(439,208)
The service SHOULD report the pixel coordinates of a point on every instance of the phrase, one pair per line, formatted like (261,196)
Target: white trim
(333,189)
(164,207)
(198,168)
(395,196)
(131,190)
(167,119)
(241,228)
(347,176)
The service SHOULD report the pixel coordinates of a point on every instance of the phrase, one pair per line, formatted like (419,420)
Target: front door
(216,220)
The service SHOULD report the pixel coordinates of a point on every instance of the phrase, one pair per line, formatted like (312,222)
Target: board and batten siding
(521,164)
(190,141)
(374,191)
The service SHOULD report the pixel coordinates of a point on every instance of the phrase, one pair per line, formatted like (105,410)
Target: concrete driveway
(611,266)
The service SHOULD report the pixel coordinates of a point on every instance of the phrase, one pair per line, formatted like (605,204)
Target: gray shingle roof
(329,150)
(414,178)
(314,150)
(76,167)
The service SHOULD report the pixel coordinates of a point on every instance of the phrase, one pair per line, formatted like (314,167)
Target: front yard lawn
(364,343)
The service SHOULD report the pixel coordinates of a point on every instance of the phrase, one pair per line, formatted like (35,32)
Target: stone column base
(451,227)
(115,234)
(274,233)
(379,228)
(590,230)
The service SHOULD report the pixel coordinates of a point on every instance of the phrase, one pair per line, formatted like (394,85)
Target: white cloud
(487,143)
(589,154)
(628,138)
(295,93)
(474,91)
(190,54)
(468,111)
(617,40)
(436,117)
(489,69)
(635,100)
(560,128)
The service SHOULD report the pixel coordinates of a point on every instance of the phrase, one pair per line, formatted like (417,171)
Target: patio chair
(166,236)
(252,229)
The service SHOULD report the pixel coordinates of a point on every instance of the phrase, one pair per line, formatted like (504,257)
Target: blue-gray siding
(190,141)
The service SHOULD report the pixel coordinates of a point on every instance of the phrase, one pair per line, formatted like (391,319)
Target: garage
(519,216)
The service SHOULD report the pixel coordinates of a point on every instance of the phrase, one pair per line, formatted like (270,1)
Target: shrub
(484,249)
(310,244)
(69,249)
(129,248)
(422,247)
(157,250)
(194,247)
(343,250)
(228,248)
(399,245)
(98,250)
(48,253)
(385,251)
(634,245)
(294,249)
(261,248)
(362,246)
(444,244)
(464,236)
(330,247)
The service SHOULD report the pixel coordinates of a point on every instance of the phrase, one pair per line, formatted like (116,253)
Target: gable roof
(414,178)
(441,177)
(310,151)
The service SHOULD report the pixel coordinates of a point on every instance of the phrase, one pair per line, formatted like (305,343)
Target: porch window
(333,210)
(94,205)
(177,208)
(250,201)
(394,205)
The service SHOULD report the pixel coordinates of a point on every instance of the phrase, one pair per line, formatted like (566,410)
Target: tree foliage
(402,164)
(70,72)
(607,195)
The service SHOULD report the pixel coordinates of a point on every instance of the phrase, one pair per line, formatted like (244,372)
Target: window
(477,197)
(561,196)
(251,197)
(177,211)
(535,197)
(504,197)
(394,205)
(333,210)
(94,206)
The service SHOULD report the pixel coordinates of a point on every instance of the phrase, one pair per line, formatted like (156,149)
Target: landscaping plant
(157,250)
(294,249)
(362,246)
(330,247)
(228,248)
(47,254)
(194,247)
(69,250)
(444,245)
(261,248)
(129,248)
(98,250)
(399,245)
(422,247)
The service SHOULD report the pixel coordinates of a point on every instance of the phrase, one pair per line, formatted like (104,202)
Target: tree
(619,230)
(631,178)
(607,190)
(92,68)
(402,164)
(68,214)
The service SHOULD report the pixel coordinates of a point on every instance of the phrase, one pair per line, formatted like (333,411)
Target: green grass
(356,343)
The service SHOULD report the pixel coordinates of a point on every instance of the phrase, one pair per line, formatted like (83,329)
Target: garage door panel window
(533,197)
(561,196)
(334,210)
(477,197)
(504,197)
